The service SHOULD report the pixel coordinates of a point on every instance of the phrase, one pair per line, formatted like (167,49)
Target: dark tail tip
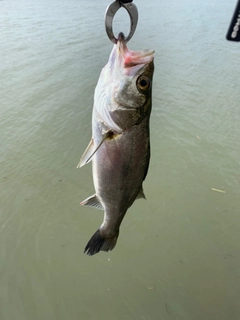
(99,242)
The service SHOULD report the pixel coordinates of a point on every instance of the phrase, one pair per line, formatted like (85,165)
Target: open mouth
(132,58)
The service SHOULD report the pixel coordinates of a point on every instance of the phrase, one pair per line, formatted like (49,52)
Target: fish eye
(143,83)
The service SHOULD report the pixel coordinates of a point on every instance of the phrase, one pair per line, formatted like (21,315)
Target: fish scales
(119,167)
(120,145)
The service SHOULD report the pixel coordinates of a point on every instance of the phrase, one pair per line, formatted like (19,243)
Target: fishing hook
(110,13)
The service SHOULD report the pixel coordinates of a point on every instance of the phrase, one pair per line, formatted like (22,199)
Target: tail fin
(100,242)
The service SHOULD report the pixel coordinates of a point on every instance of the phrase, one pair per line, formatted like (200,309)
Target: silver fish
(120,146)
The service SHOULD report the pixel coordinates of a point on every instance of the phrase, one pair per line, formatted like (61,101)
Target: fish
(120,145)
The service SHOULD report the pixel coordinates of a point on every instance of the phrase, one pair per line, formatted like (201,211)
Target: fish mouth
(131,58)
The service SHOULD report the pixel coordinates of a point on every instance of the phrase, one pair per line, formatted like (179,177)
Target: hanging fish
(120,146)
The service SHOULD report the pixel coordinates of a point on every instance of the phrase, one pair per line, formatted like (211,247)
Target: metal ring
(110,13)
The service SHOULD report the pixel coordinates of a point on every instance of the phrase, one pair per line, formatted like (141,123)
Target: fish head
(132,73)
(126,83)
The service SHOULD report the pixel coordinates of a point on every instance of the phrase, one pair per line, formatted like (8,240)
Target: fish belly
(119,167)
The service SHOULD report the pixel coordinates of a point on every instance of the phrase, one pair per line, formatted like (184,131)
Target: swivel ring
(110,13)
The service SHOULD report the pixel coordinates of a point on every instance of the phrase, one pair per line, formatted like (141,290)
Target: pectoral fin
(87,155)
(92,202)
(91,150)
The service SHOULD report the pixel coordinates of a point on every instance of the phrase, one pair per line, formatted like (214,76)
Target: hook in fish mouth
(132,58)
(121,36)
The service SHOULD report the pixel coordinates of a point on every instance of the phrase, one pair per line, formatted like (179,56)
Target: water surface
(178,255)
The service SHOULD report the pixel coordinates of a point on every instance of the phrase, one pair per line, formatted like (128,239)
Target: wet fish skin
(120,147)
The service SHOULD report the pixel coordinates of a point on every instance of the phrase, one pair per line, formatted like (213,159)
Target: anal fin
(92,202)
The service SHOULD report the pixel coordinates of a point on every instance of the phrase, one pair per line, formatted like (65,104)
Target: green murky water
(178,254)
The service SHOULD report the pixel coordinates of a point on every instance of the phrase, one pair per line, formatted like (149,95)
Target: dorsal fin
(141,194)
